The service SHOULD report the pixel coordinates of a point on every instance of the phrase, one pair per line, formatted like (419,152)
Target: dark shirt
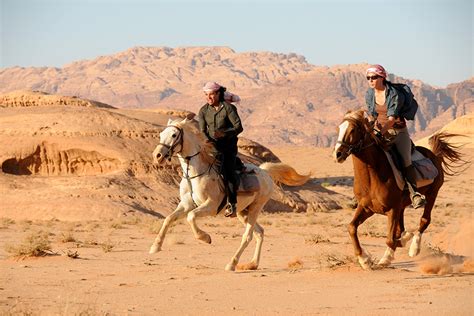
(225,119)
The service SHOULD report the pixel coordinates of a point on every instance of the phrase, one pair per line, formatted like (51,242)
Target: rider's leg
(232,182)
(403,145)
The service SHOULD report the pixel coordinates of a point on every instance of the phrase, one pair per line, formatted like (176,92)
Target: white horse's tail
(285,174)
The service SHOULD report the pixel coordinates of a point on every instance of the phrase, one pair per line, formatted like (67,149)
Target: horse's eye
(174,135)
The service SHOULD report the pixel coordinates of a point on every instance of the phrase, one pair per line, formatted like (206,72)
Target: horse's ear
(169,122)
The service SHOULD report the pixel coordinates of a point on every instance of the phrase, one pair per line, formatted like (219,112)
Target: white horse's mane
(191,126)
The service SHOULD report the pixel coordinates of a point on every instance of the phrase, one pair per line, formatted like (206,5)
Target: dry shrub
(35,245)
(315,239)
(295,264)
(67,237)
(333,261)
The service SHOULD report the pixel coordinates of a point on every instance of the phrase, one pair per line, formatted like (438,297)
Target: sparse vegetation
(5,222)
(66,237)
(315,239)
(107,246)
(35,245)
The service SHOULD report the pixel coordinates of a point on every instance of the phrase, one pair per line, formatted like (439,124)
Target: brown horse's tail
(452,161)
(285,174)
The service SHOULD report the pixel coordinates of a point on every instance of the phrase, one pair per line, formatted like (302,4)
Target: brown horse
(375,186)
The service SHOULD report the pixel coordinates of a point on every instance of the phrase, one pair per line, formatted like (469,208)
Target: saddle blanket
(426,171)
(248,181)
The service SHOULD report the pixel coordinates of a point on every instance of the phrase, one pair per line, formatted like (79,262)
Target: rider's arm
(236,123)
(202,123)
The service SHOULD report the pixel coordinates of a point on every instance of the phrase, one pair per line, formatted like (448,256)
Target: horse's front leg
(393,217)
(359,217)
(203,210)
(179,212)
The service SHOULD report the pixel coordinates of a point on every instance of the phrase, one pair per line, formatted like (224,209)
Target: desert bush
(36,244)
(315,239)
(67,237)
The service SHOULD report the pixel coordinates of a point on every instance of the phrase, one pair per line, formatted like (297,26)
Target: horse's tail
(452,161)
(285,174)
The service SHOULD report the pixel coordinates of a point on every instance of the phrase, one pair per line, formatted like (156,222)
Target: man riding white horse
(221,124)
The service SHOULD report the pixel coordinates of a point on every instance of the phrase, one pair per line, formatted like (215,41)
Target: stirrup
(230,210)
(418,200)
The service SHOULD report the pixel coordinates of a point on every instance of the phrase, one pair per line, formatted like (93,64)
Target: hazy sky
(430,40)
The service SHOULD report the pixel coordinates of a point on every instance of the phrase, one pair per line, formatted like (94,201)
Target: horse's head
(171,142)
(351,136)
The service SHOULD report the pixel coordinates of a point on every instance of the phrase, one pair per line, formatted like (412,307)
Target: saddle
(425,170)
(248,180)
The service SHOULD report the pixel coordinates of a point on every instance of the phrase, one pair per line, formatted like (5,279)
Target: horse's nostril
(158,156)
(338,154)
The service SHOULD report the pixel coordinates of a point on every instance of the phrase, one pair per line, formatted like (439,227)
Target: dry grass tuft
(107,246)
(5,222)
(36,244)
(295,264)
(315,239)
(66,237)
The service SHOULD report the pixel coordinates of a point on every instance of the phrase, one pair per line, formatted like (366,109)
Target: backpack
(409,106)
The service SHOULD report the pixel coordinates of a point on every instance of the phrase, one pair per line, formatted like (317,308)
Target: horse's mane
(357,117)
(191,126)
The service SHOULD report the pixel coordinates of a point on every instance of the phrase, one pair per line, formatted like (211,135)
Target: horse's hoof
(206,239)
(365,262)
(230,267)
(154,249)
(384,262)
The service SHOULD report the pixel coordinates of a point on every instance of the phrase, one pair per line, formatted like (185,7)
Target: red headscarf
(378,70)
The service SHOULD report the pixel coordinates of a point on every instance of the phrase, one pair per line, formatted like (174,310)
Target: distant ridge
(285,99)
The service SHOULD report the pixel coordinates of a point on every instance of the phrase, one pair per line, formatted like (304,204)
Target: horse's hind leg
(250,223)
(425,220)
(258,233)
(359,217)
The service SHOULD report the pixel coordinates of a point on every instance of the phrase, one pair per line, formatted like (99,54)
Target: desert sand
(101,203)
(307,263)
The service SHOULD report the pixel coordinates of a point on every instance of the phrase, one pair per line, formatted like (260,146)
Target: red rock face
(284,98)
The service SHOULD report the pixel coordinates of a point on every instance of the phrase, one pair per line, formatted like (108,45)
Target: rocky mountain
(284,98)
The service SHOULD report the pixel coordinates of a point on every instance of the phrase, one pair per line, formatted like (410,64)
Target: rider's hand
(219,134)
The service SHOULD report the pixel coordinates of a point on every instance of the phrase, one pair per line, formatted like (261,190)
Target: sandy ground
(307,264)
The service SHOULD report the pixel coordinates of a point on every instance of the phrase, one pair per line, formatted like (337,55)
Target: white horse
(201,188)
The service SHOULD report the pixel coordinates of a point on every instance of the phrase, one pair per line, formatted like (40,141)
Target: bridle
(172,152)
(357,147)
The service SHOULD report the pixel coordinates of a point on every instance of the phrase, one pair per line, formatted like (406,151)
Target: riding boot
(230,210)
(417,199)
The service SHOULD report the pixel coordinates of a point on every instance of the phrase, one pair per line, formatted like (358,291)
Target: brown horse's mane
(207,149)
